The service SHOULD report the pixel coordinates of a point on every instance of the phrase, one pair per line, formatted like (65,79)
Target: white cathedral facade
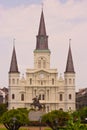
(42,81)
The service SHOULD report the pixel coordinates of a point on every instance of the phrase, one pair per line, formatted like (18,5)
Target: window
(17,81)
(73,81)
(13,81)
(43,97)
(47,108)
(13,96)
(47,94)
(41,82)
(44,64)
(39,64)
(30,81)
(61,97)
(35,92)
(40,96)
(52,81)
(22,97)
(69,81)
(65,81)
(61,109)
(70,96)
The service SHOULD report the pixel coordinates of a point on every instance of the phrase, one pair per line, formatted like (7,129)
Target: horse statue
(36,103)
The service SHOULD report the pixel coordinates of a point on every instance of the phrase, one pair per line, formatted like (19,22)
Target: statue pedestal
(35,115)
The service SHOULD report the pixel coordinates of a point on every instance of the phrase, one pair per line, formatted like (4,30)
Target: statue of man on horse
(36,103)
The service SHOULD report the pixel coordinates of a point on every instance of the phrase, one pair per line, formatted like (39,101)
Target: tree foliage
(55,119)
(3,108)
(83,114)
(15,118)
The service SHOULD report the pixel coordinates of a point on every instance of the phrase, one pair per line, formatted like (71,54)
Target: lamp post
(14,120)
(40,122)
(56,124)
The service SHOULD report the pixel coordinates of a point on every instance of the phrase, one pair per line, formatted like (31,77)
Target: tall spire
(69,65)
(42,38)
(13,65)
(42,29)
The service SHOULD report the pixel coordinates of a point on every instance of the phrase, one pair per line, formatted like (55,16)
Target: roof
(13,65)
(69,65)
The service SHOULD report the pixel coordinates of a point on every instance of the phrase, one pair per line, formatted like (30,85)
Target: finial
(69,41)
(13,42)
(42,5)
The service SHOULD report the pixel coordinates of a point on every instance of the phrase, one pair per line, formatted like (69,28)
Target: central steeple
(42,38)
(42,52)
(42,29)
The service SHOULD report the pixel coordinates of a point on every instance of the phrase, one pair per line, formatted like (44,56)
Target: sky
(64,19)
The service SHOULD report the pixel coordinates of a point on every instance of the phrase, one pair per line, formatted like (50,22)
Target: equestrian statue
(36,103)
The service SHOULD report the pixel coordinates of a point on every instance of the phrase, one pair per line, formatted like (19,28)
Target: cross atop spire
(69,65)
(13,65)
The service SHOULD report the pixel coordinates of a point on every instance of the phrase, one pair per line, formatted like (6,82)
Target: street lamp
(56,124)
(40,122)
(14,120)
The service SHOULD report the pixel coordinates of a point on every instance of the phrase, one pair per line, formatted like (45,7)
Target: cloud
(63,21)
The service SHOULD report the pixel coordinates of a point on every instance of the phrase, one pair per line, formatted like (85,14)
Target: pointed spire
(13,65)
(42,29)
(69,65)
(42,38)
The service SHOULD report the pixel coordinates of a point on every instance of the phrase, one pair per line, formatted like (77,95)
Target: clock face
(41,75)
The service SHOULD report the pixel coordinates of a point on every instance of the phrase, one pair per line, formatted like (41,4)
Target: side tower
(42,53)
(69,76)
(14,76)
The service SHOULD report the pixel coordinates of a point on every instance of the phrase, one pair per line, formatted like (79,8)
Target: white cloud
(63,21)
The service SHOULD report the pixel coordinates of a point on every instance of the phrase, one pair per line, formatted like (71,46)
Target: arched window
(61,97)
(40,96)
(13,81)
(73,81)
(41,82)
(22,97)
(43,97)
(44,64)
(13,96)
(17,81)
(61,109)
(65,81)
(47,94)
(52,81)
(30,81)
(70,81)
(70,96)
(39,64)
(47,108)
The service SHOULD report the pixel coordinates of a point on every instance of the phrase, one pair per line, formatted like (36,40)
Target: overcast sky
(64,19)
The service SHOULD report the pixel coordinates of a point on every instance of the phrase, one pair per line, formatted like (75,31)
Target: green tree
(15,118)
(74,122)
(56,119)
(83,114)
(3,108)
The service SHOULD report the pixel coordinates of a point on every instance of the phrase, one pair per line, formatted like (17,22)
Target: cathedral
(53,91)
